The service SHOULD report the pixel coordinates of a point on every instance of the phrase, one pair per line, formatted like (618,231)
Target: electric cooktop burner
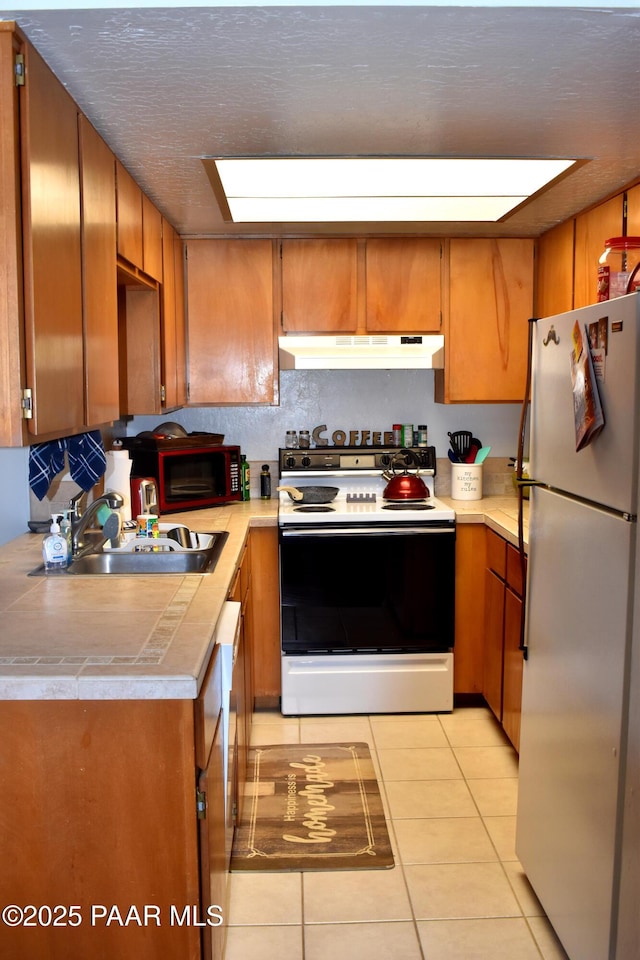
(408,505)
(317,509)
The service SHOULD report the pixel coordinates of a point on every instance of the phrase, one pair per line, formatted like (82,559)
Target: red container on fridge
(618,272)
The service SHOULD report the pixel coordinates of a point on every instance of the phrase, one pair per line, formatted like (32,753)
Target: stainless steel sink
(114,562)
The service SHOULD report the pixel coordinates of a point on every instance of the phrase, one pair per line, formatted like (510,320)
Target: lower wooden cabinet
(470,602)
(502,670)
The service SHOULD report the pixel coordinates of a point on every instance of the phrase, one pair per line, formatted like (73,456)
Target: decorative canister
(618,268)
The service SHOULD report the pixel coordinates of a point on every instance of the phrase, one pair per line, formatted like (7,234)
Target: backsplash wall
(341,399)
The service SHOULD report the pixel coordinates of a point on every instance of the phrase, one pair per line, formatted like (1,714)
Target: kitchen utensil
(482,454)
(460,441)
(170,429)
(311,494)
(474,446)
(182,535)
(453,456)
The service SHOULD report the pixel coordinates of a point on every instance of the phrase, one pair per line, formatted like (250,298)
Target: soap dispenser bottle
(54,547)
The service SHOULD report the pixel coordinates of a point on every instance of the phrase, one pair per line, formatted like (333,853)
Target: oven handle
(382,531)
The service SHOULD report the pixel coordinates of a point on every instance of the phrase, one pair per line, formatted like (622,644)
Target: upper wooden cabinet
(490,300)
(139,226)
(555,271)
(99,282)
(232,340)
(403,285)
(319,286)
(633,211)
(593,228)
(363,286)
(173,320)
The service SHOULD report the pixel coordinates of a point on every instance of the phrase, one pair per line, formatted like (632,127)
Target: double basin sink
(162,556)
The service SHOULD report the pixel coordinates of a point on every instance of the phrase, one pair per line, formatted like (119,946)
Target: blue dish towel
(86,456)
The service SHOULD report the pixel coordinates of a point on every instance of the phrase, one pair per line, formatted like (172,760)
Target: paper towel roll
(117,478)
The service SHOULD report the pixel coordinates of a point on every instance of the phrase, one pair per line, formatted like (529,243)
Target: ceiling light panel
(378,189)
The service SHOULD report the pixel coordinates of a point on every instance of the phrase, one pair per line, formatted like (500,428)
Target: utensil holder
(466,481)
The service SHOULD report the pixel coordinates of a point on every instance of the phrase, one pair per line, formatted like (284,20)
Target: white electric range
(367,586)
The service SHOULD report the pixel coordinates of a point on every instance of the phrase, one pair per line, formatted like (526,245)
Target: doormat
(313,806)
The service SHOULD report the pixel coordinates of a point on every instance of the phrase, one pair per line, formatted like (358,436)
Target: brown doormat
(311,806)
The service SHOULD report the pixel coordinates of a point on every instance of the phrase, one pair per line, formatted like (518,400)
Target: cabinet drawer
(208,706)
(497,554)
(514,569)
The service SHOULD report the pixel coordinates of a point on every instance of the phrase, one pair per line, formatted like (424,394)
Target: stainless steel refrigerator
(579,787)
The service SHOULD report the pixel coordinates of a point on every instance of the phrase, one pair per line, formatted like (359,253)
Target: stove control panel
(358,458)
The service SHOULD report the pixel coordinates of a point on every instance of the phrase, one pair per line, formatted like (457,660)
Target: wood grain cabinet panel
(99,276)
(470,604)
(151,239)
(490,300)
(319,286)
(593,228)
(554,292)
(173,321)
(129,213)
(633,212)
(232,340)
(403,285)
(52,251)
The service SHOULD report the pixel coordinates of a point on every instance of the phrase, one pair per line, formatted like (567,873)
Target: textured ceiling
(167,86)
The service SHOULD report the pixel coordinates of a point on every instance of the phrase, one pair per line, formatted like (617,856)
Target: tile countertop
(111,637)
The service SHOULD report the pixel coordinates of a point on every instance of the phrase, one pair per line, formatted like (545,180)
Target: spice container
(304,440)
(407,434)
(422,435)
(397,434)
(291,440)
(618,268)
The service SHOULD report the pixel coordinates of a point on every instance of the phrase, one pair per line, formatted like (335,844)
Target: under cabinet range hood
(375,352)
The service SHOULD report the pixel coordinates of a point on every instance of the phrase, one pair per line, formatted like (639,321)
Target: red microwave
(189,477)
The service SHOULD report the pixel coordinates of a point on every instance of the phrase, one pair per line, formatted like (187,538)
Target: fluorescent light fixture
(370,189)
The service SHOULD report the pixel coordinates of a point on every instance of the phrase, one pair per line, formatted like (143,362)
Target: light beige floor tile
(525,895)
(264,733)
(344,730)
(464,731)
(422,732)
(265,898)
(502,831)
(496,797)
(545,936)
(436,840)
(264,943)
(355,896)
(460,890)
(413,799)
(428,763)
(499,939)
(487,762)
(362,941)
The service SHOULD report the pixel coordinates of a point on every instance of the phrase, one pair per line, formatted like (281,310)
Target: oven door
(379,588)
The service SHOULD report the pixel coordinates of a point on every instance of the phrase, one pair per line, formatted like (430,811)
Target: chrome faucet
(79,524)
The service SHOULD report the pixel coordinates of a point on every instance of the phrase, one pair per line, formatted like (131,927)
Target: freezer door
(574,695)
(606,471)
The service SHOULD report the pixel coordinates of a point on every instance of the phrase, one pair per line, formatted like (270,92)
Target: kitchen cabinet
(502,674)
(139,344)
(265,590)
(470,605)
(633,212)
(489,291)
(348,285)
(319,285)
(173,331)
(403,285)
(99,280)
(232,322)
(554,293)
(139,225)
(593,228)
(99,807)
(242,680)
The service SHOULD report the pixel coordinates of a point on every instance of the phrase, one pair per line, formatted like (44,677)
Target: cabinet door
(231,329)
(490,301)
(494,632)
(151,239)
(99,278)
(403,287)
(140,349)
(555,270)
(11,320)
(51,249)
(468,660)
(129,212)
(173,330)
(319,286)
(265,590)
(512,688)
(211,786)
(633,212)
(592,229)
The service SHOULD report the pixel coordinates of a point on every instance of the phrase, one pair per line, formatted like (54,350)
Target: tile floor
(457,891)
